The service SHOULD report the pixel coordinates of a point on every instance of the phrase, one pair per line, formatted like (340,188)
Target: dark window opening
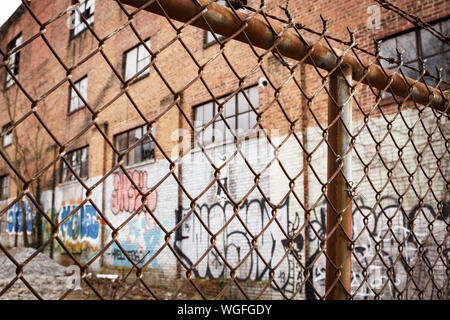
(14,60)
(79,161)
(136,59)
(144,151)
(75,101)
(86,9)
(419,44)
(237,113)
(7,138)
(4,187)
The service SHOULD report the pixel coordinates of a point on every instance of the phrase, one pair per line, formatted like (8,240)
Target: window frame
(4,195)
(206,43)
(4,129)
(74,35)
(80,173)
(235,115)
(141,145)
(143,74)
(16,68)
(71,90)
(387,96)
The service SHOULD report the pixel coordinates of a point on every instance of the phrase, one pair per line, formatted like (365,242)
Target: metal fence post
(339,206)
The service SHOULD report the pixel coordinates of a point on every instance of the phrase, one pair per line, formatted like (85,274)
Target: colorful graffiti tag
(14,221)
(80,233)
(141,234)
(139,240)
(125,197)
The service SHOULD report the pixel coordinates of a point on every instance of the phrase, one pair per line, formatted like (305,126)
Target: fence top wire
(288,42)
(414,20)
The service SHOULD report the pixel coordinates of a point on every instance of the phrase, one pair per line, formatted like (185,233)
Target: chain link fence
(236,199)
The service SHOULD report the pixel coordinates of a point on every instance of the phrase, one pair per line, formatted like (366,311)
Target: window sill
(206,45)
(7,87)
(137,165)
(141,77)
(75,111)
(79,34)
(211,43)
(213,145)
(71,182)
(386,101)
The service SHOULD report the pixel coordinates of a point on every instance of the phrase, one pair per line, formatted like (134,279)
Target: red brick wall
(40,71)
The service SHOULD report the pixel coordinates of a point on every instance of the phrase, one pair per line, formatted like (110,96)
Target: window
(78,160)
(142,152)
(237,112)
(7,138)
(86,8)
(136,59)
(14,59)
(209,37)
(4,187)
(420,44)
(75,100)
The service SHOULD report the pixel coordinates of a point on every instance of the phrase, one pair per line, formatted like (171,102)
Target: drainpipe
(180,177)
(304,131)
(102,229)
(53,210)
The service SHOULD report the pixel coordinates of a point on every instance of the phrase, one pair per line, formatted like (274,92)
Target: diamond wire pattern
(435,144)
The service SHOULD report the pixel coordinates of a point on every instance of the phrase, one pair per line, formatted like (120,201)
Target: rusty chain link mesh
(245,218)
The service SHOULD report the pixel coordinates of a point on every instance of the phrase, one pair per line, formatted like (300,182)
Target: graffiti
(81,231)
(295,276)
(125,197)
(235,243)
(377,241)
(134,255)
(140,236)
(14,220)
(377,246)
(220,195)
(139,239)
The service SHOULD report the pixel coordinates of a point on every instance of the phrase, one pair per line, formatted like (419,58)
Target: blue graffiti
(14,222)
(83,224)
(141,249)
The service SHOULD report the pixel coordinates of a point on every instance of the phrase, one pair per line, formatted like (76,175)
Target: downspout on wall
(102,229)
(53,210)
(304,132)
(180,177)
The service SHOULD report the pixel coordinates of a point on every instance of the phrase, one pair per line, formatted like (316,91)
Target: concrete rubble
(47,277)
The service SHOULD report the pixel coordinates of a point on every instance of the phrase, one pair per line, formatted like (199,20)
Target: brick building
(97,73)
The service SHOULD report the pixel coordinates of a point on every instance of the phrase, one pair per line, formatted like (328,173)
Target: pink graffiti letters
(125,197)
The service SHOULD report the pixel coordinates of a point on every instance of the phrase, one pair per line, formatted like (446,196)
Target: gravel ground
(50,280)
(47,277)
